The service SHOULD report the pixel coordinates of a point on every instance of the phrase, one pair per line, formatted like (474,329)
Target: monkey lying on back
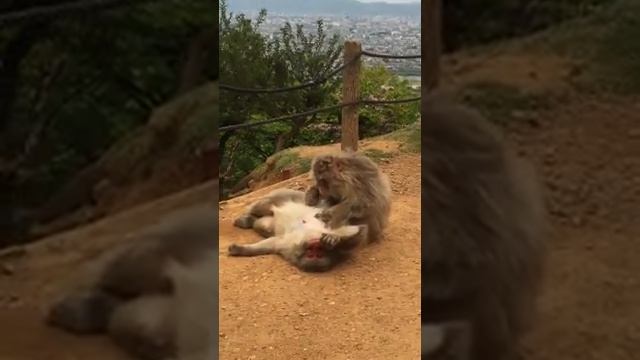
(353,191)
(294,231)
(147,294)
(484,228)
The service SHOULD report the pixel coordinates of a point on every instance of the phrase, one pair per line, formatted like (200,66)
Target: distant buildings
(380,34)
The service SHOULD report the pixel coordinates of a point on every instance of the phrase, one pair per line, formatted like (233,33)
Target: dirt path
(369,308)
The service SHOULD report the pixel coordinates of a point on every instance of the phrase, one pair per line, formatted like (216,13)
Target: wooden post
(350,93)
(431,29)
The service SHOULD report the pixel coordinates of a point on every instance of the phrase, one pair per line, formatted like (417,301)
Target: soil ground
(367,308)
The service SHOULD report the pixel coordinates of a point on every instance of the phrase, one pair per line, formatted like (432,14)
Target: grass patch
(409,137)
(617,59)
(377,155)
(502,103)
(291,160)
(304,164)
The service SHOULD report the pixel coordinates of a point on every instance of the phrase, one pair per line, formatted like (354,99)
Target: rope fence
(350,69)
(318,110)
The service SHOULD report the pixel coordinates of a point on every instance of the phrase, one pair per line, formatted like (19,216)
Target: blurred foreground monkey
(353,190)
(484,228)
(295,232)
(446,341)
(156,296)
(196,306)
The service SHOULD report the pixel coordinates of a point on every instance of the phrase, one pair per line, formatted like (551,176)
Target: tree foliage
(250,59)
(378,83)
(292,56)
(74,85)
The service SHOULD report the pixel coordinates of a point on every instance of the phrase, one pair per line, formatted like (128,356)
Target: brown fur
(131,292)
(353,189)
(484,226)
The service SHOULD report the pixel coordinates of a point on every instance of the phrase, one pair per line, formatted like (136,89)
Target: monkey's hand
(324,216)
(338,215)
(345,237)
(312,196)
(329,241)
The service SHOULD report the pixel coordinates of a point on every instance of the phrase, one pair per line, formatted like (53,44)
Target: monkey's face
(315,257)
(327,171)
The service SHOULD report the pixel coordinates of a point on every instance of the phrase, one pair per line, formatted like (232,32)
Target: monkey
(353,191)
(446,341)
(140,292)
(484,229)
(294,231)
(196,306)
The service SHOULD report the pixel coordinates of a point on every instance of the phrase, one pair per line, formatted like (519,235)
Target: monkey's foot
(244,222)
(236,250)
(82,313)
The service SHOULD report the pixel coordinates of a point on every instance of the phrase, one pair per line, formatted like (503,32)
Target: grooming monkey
(484,228)
(147,293)
(353,191)
(294,231)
